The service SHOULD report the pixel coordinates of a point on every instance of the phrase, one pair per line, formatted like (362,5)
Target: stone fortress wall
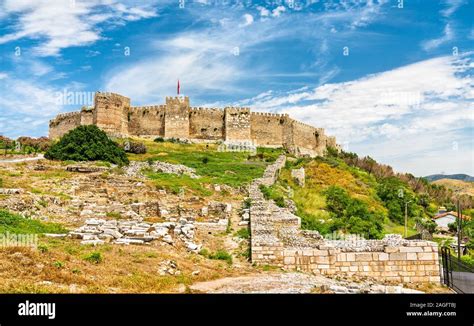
(177,119)
(278,240)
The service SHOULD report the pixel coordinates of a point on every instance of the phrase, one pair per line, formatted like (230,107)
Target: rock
(192,246)
(5,191)
(217,188)
(87,212)
(92,242)
(55,235)
(168,267)
(128,241)
(242,223)
(299,176)
(195,273)
(168,239)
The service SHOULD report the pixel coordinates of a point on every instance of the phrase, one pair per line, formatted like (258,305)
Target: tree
(337,200)
(87,143)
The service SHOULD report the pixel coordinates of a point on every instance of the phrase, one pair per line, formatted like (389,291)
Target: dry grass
(124,269)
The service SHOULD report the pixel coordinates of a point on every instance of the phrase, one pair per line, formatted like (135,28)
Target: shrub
(94,257)
(87,143)
(43,248)
(243,233)
(35,144)
(205,160)
(159,140)
(337,199)
(58,264)
(221,254)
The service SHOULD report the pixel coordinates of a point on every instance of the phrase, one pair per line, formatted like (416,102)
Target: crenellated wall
(267,129)
(206,123)
(147,121)
(176,119)
(110,113)
(63,123)
(237,124)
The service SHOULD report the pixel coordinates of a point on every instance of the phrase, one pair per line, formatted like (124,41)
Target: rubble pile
(100,231)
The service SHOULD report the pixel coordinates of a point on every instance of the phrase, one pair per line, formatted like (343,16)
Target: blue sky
(390,79)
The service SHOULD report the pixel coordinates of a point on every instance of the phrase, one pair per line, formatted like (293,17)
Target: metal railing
(456,274)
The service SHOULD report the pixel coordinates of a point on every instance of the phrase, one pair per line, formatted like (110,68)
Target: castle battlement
(113,113)
(269,114)
(148,107)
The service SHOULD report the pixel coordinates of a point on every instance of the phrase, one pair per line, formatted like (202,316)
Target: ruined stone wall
(237,124)
(305,138)
(266,129)
(147,121)
(206,123)
(63,123)
(111,113)
(277,239)
(87,117)
(177,117)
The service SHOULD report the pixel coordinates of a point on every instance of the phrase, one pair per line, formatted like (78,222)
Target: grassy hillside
(459,186)
(461,177)
(342,198)
(214,167)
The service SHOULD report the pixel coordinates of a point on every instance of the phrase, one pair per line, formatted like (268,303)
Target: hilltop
(459,186)
(461,177)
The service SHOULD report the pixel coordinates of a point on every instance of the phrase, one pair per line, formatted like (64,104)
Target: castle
(177,119)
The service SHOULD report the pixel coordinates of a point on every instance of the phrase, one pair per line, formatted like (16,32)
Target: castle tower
(177,117)
(111,113)
(237,124)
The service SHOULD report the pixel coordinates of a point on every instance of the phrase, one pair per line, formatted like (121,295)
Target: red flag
(178,86)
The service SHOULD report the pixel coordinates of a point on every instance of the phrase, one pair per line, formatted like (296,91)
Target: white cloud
(451,7)
(403,113)
(264,12)
(27,106)
(63,24)
(278,11)
(448,35)
(248,20)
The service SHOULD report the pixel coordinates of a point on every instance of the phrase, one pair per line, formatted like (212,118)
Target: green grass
(243,233)
(17,224)
(220,254)
(391,227)
(175,183)
(94,257)
(214,167)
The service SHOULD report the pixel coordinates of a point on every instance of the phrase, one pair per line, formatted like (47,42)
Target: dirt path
(281,282)
(25,159)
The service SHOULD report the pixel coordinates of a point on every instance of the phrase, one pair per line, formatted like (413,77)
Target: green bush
(94,257)
(14,223)
(243,233)
(220,254)
(87,143)
(159,140)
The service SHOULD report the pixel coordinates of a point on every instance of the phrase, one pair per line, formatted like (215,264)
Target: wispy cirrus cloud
(63,24)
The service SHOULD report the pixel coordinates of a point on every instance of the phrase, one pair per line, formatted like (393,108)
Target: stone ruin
(100,231)
(277,239)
